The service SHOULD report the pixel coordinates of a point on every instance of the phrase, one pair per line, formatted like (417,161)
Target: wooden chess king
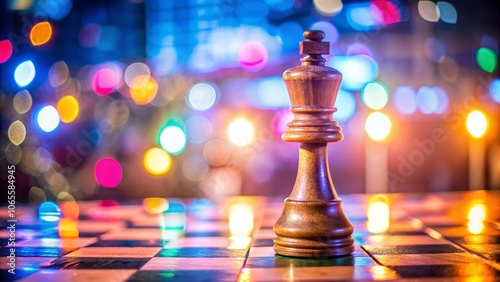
(313,223)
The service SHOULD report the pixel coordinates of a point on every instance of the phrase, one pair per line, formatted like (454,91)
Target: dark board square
(202,253)
(183,275)
(129,243)
(96,263)
(206,234)
(19,273)
(476,239)
(411,249)
(36,251)
(263,243)
(435,271)
(280,261)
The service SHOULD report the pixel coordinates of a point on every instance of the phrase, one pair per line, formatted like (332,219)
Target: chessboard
(419,237)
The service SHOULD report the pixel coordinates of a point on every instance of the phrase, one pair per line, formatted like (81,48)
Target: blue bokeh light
(427,100)
(24,73)
(49,212)
(268,93)
(405,100)
(495,90)
(357,71)
(346,106)
(47,118)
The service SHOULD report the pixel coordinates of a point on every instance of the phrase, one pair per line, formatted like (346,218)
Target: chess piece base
(313,229)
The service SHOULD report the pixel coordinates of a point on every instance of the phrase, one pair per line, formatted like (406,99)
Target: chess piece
(313,223)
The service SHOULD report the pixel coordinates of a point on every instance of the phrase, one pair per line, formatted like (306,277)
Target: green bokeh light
(375,95)
(486,59)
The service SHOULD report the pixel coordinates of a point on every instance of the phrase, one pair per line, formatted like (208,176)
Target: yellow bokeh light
(378,214)
(378,126)
(477,212)
(143,91)
(241,132)
(68,108)
(157,161)
(155,205)
(477,124)
(17,132)
(40,33)
(68,228)
(476,216)
(241,216)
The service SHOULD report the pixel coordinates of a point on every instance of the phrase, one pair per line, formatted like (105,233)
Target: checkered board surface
(423,238)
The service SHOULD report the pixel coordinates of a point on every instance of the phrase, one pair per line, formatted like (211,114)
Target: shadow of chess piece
(313,223)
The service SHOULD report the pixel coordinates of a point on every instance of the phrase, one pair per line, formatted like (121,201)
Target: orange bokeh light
(143,90)
(70,209)
(40,33)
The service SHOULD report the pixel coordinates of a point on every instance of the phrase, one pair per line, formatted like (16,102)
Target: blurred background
(132,99)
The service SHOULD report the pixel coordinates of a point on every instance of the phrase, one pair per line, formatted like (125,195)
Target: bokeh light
(36,196)
(427,100)
(217,152)
(104,81)
(346,106)
(476,217)
(155,205)
(68,228)
(378,126)
(68,108)
(16,132)
(202,96)
(443,100)
(447,12)
(69,209)
(143,91)
(384,12)
(495,89)
(47,119)
(108,172)
(134,71)
(280,121)
(241,219)
(428,10)
(173,139)
(477,123)
(157,161)
(486,59)
(54,9)
(405,100)
(241,132)
(328,7)
(356,71)
(195,168)
(252,56)
(375,95)
(40,33)
(331,32)
(49,212)
(42,160)
(5,50)
(58,74)
(24,73)
(378,214)
(198,129)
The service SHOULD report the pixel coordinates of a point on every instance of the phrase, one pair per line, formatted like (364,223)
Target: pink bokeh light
(108,172)
(5,50)
(253,56)
(104,81)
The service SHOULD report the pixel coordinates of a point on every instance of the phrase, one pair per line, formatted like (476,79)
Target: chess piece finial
(313,223)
